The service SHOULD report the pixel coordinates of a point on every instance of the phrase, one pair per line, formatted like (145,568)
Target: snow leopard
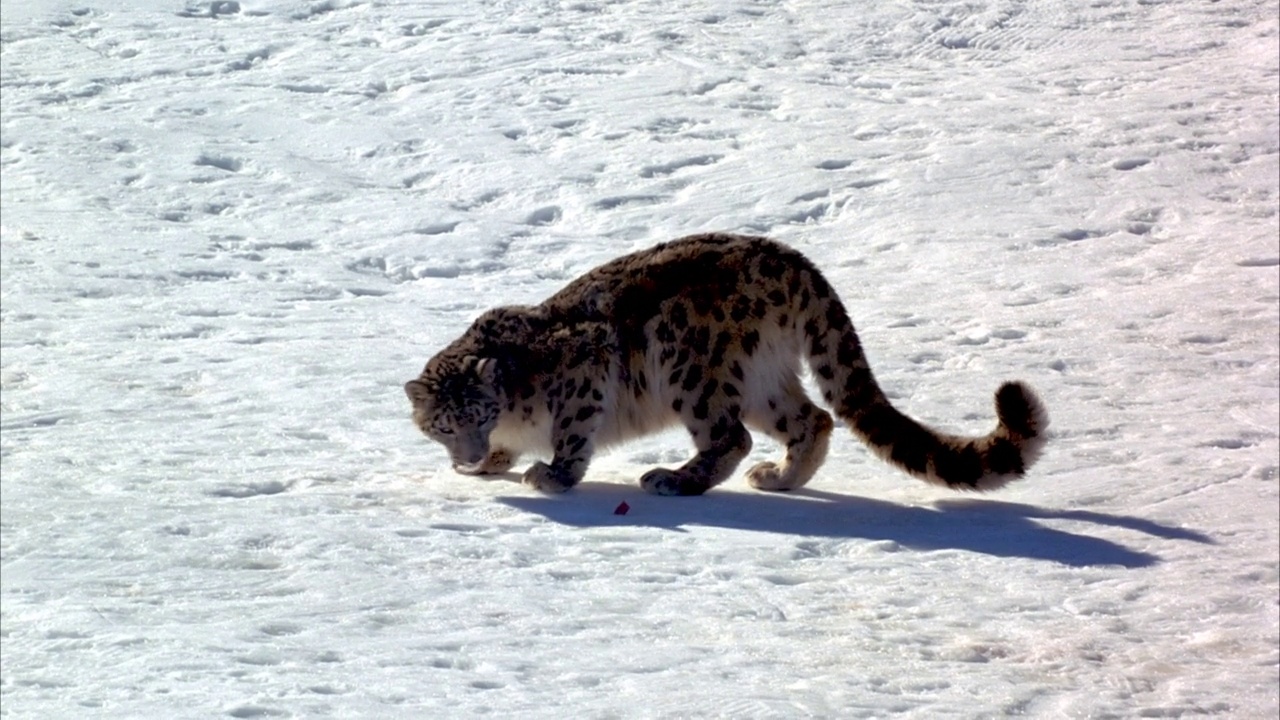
(707,331)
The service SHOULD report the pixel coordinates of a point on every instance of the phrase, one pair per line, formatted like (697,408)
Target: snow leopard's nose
(469,459)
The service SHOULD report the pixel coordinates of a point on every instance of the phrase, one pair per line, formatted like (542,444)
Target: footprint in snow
(867,183)
(543,216)
(1069,236)
(221,162)
(437,228)
(280,629)
(1204,339)
(324,7)
(269,487)
(256,711)
(813,214)
(1127,164)
(215,9)
(665,169)
(1230,443)
(618,201)
(487,685)
(418,29)
(810,196)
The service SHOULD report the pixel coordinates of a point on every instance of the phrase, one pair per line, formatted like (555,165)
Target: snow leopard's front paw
(770,477)
(545,478)
(661,481)
(766,476)
(498,461)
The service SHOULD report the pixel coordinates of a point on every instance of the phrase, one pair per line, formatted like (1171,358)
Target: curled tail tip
(1020,411)
(1019,439)
(1013,448)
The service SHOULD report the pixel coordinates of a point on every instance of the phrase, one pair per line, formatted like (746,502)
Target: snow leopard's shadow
(987,526)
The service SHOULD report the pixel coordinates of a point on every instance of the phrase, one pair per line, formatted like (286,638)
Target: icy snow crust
(232,230)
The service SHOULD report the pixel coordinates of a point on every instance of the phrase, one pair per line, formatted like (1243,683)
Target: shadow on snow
(989,527)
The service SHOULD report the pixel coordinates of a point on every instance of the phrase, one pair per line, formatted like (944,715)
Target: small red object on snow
(622,508)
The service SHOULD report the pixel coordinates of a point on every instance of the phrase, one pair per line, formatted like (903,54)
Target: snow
(232,230)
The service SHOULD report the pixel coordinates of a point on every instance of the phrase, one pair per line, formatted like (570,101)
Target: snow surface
(232,230)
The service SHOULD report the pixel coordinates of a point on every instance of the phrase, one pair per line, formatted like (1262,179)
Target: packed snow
(233,229)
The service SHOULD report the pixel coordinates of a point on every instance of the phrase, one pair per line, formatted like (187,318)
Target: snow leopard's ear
(417,391)
(486,369)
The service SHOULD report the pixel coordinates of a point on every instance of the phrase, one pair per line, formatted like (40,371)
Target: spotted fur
(707,331)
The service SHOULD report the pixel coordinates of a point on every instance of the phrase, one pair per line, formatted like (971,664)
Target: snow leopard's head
(455,403)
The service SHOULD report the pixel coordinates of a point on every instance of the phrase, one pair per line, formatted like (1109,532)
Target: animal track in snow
(909,321)
(250,60)
(979,336)
(37,420)
(618,201)
(813,214)
(487,685)
(1235,443)
(437,228)
(867,183)
(833,164)
(1066,236)
(422,28)
(195,332)
(291,245)
(1205,339)
(256,711)
(411,181)
(317,9)
(809,196)
(543,216)
(479,201)
(280,629)
(664,169)
(1127,164)
(220,162)
(206,275)
(248,490)
(215,9)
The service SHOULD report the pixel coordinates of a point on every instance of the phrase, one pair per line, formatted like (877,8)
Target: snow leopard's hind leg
(791,419)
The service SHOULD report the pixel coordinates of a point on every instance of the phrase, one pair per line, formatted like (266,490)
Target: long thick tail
(961,463)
